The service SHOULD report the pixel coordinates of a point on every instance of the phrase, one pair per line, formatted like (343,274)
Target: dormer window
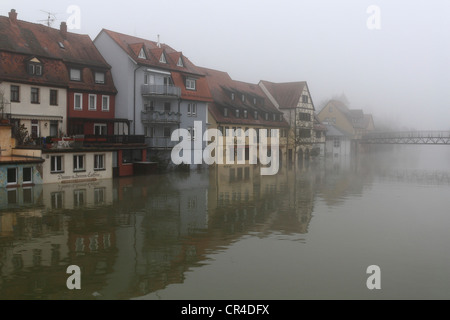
(75,74)
(191,84)
(243,98)
(34,67)
(163,59)
(232,96)
(100,77)
(61,45)
(142,54)
(180,62)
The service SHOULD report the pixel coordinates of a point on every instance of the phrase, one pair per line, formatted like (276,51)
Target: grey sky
(400,73)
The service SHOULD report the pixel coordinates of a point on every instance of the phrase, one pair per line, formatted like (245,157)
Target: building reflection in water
(134,236)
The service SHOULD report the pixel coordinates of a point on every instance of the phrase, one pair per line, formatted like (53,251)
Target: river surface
(310,232)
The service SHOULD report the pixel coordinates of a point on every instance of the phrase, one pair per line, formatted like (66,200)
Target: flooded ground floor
(309,232)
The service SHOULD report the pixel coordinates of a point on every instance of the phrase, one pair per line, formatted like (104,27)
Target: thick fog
(389,58)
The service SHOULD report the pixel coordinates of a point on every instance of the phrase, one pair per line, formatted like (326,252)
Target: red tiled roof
(153,52)
(21,40)
(222,86)
(286,94)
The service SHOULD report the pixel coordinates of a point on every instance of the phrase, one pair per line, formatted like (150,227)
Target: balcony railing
(160,117)
(116,139)
(161,143)
(161,90)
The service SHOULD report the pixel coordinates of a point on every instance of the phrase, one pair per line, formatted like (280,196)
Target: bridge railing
(407,134)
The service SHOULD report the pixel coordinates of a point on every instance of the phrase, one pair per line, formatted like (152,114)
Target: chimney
(63,29)
(13,15)
(159,43)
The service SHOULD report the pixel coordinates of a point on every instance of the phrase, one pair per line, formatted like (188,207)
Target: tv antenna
(51,17)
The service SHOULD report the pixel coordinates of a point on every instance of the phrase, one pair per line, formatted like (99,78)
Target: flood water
(307,233)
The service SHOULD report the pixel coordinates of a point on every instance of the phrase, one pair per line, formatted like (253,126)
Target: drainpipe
(134,101)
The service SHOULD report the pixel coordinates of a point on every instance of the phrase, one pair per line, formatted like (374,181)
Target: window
(99,195)
(167,107)
(163,59)
(232,96)
(105,103)
(12,196)
(27,195)
(12,176)
(57,200)
(192,110)
(15,94)
(245,114)
(53,128)
(53,97)
(166,132)
(34,129)
(255,115)
(237,113)
(78,163)
(304,133)
(149,132)
(142,54)
(61,45)
(304,116)
(190,84)
(78,101)
(34,69)
(27,175)
(75,74)
(274,117)
(79,197)
(337,143)
(56,164)
(100,77)
(92,102)
(254,100)
(180,62)
(318,134)
(305,98)
(192,133)
(34,95)
(99,162)
(100,129)
(243,98)
(225,112)
(267,116)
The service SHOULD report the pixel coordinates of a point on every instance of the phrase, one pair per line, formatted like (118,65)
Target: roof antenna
(50,19)
(159,43)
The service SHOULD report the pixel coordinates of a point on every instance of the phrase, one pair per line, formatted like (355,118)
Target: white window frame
(75,74)
(76,162)
(79,194)
(93,107)
(54,158)
(192,109)
(101,125)
(163,59)
(99,77)
(16,176)
(142,54)
(97,162)
(180,62)
(103,103)
(80,95)
(191,84)
(31,175)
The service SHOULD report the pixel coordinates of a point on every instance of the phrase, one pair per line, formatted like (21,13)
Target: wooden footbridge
(408,137)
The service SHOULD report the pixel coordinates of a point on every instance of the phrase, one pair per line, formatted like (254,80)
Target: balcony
(160,143)
(112,140)
(163,91)
(160,117)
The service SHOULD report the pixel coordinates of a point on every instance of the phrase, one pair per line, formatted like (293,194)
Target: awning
(36,117)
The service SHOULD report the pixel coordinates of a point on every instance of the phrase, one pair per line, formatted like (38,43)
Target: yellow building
(238,107)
